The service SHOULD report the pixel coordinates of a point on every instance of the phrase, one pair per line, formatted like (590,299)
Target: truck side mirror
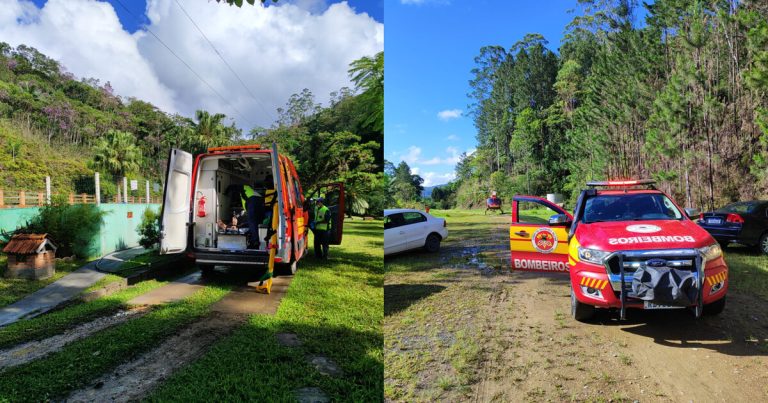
(560,220)
(692,213)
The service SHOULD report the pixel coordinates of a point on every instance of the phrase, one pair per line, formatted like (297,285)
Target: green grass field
(336,309)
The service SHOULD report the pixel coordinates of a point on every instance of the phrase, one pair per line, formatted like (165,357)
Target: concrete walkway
(49,297)
(66,288)
(112,262)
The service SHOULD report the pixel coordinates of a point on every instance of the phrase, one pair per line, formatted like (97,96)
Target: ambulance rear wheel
(579,311)
(206,270)
(715,308)
(285,269)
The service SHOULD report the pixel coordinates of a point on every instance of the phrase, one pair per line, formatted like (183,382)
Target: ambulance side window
(534,213)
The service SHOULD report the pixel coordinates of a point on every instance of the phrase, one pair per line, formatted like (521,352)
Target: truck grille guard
(619,263)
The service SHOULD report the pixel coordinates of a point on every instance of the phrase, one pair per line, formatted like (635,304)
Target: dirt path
(528,348)
(133,380)
(33,350)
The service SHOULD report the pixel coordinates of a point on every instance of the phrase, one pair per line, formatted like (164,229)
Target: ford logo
(656,263)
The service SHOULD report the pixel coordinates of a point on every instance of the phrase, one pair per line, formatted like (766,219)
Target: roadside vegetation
(54,124)
(679,95)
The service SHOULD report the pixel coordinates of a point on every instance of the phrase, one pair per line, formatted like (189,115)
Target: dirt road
(460,326)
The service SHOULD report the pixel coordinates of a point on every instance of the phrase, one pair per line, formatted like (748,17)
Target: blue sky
(430,47)
(374,8)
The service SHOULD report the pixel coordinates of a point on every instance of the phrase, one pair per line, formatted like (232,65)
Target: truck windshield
(630,207)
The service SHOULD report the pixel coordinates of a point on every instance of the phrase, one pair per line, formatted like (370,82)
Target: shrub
(72,227)
(149,229)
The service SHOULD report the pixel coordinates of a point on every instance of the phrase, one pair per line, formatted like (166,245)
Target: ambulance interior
(220,223)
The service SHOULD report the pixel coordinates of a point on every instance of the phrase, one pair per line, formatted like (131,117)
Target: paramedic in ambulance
(321,228)
(253,203)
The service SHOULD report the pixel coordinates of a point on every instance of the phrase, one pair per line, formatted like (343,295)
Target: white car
(406,229)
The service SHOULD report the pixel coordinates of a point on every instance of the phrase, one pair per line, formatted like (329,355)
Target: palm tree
(117,152)
(368,75)
(209,129)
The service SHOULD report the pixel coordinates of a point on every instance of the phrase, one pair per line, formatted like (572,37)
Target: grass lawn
(748,270)
(57,321)
(78,363)
(336,309)
(12,290)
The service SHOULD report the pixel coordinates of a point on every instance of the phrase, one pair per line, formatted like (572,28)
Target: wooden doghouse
(30,256)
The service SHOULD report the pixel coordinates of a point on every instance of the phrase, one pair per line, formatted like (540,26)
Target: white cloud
(276,50)
(434,178)
(471,151)
(412,156)
(87,38)
(449,114)
(452,137)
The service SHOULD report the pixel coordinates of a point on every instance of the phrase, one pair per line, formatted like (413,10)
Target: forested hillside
(52,123)
(680,97)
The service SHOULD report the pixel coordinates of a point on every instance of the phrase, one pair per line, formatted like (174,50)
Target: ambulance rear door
(538,235)
(174,224)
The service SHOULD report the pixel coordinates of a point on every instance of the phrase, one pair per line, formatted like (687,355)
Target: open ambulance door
(538,235)
(335,200)
(174,224)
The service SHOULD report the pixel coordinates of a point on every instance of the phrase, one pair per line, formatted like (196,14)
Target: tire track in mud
(33,350)
(135,379)
(534,349)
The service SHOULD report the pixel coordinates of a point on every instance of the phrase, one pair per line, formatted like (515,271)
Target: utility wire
(264,109)
(187,65)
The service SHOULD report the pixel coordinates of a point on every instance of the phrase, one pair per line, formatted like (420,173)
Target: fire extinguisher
(201,206)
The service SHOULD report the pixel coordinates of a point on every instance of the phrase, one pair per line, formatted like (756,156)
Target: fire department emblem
(643,228)
(544,240)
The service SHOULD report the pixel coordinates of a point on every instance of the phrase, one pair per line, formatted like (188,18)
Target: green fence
(118,231)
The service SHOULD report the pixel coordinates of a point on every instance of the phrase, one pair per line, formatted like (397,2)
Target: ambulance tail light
(701,216)
(734,218)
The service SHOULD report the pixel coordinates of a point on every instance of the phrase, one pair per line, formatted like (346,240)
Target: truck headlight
(711,252)
(592,255)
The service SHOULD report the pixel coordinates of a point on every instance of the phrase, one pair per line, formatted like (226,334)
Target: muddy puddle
(33,350)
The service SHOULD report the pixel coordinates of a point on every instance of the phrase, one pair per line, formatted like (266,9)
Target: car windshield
(740,207)
(630,207)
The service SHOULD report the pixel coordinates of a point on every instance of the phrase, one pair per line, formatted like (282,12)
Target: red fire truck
(627,245)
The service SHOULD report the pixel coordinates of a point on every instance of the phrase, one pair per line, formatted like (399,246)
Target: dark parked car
(745,223)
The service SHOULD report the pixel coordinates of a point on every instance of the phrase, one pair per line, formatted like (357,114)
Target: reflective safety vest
(322,218)
(248,193)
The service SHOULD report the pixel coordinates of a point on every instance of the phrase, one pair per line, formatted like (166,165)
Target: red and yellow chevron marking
(594,283)
(717,278)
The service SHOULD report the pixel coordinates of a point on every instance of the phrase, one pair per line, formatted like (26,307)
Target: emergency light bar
(235,148)
(622,183)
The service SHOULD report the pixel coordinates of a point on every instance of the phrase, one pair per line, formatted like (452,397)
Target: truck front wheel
(580,311)
(715,308)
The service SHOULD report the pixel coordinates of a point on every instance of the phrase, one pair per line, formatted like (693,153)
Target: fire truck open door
(538,235)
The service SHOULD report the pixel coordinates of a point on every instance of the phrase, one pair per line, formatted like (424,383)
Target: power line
(264,109)
(187,65)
